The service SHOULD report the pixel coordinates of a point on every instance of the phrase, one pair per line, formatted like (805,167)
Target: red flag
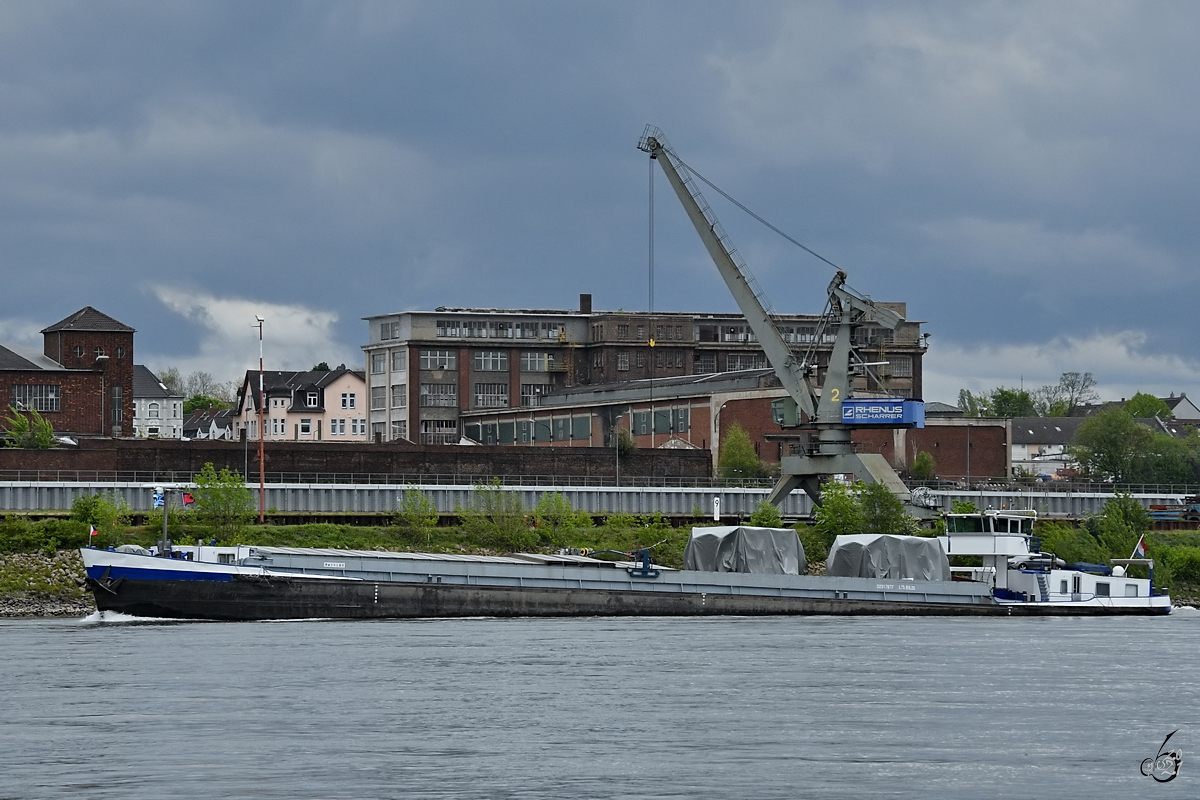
(93,530)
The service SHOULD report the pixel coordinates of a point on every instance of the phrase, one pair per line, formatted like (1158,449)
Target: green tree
(626,444)
(222,504)
(1111,445)
(1064,399)
(497,516)
(203,402)
(322,367)
(417,512)
(1142,406)
(766,515)
(34,431)
(554,514)
(923,468)
(1010,403)
(738,461)
(108,513)
(840,513)
(973,405)
(883,512)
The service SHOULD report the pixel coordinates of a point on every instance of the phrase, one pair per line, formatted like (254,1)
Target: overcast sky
(1023,175)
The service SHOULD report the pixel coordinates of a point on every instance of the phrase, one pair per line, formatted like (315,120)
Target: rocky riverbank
(37,585)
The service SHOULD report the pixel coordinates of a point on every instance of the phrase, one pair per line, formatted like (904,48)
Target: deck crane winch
(829,413)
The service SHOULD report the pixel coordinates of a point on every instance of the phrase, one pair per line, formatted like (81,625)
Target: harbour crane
(829,414)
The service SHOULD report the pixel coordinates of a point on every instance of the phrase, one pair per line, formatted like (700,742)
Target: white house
(157,412)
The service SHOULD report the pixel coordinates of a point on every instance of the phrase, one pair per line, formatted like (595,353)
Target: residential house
(317,405)
(209,424)
(157,411)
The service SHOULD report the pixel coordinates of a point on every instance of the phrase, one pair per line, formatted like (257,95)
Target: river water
(597,708)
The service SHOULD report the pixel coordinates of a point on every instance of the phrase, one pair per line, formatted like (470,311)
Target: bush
(1184,564)
(923,469)
(222,504)
(620,521)
(417,513)
(816,543)
(766,515)
(33,431)
(553,516)
(109,513)
(497,518)
(18,535)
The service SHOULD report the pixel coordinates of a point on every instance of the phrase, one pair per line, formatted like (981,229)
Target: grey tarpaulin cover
(741,548)
(872,555)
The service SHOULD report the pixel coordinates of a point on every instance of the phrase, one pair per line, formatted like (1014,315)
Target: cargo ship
(728,571)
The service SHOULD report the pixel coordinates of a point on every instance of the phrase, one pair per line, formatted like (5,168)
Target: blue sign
(158,500)
(883,412)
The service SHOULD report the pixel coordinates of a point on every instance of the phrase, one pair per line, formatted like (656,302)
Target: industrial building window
(120,352)
(527,330)
(78,351)
(900,367)
(439,395)
(541,430)
(491,361)
(36,397)
(581,427)
(400,395)
(622,362)
(99,352)
(378,397)
(349,399)
(152,410)
(399,429)
(552,330)
(389,330)
(598,359)
(704,363)
(641,333)
(378,363)
(439,431)
(377,429)
(399,360)
(640,359)
(532,392)
(447,327)
(438,359)
(532,361)
(745,361)
(682,419)
(117,408)
(498,329)
(622,331)
(524,431)
(562,429)
(491,395)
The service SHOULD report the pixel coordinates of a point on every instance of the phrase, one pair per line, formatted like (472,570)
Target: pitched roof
(1045,430)
(20,358)
(146,384)
(88,319)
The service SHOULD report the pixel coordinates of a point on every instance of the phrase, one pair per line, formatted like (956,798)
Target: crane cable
(728,197)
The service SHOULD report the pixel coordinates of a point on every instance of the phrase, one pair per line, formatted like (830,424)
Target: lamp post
(262,469)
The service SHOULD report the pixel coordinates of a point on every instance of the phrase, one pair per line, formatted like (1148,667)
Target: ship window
(1062,587)
(1131,590)
(1102,589)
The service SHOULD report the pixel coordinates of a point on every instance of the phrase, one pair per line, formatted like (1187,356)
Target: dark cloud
(1018,173)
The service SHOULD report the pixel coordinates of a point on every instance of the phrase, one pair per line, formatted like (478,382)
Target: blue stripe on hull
(137,574)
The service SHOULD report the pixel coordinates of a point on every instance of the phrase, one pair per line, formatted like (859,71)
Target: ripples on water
(596,708)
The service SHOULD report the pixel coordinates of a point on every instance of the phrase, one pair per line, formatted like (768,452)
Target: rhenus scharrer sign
(907,413)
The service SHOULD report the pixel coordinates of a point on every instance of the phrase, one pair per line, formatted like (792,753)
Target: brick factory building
(82,381)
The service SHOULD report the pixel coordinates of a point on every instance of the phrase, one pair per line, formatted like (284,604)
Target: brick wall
(401,458)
